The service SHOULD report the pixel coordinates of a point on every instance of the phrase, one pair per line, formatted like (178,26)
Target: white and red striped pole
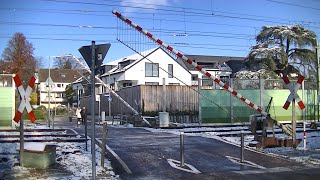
(199,68)
(304,121)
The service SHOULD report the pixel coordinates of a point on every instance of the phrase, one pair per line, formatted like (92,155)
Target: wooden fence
(179,101)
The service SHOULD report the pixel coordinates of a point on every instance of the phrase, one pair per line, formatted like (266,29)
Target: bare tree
(18,58)
(65,62)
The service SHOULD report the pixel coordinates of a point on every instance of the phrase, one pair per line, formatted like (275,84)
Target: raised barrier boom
(183,57)
(170,49)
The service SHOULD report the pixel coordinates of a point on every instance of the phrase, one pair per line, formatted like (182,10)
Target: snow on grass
(34,146)
(71,157)
(78,161)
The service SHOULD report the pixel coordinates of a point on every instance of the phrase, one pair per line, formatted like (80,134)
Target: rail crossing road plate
(109,98)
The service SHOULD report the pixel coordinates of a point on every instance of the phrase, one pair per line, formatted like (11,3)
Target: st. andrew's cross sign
(25,96)
(293,92)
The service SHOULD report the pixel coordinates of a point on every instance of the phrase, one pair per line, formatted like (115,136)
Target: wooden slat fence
(151,99)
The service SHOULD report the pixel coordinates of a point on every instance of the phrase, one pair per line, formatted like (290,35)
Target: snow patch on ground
(72,161)
(33,146)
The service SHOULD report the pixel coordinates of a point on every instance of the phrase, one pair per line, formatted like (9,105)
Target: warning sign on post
(293,92)
(25,99)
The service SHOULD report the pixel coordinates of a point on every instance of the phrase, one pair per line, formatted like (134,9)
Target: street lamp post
(318,77)
(49,96)
(78,96)
(109,98)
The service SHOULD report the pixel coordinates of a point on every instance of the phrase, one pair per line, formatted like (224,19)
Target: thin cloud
(149,5)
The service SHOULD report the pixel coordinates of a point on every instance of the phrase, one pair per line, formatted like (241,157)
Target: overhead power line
(167,32)
(215,11)
(227,15)
(100,34)
(291,4)
(89,13)
(197,46)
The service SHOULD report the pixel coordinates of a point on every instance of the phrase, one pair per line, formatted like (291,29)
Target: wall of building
(137,72)
(55,94)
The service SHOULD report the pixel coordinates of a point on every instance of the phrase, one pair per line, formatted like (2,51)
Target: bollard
(242,147)
(103,144)
(181,149)
(86,132)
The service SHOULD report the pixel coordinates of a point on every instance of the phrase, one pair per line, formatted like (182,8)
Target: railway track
(41,135)
(235,130)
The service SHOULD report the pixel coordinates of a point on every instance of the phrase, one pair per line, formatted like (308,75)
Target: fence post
(164,95)
(199,102)
(103,145)
(261,82)
(231,107)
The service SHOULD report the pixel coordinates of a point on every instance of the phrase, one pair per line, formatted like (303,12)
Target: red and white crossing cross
(24,94)
(293,91)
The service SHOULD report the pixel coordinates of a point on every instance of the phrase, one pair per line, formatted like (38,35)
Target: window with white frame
(152,69)
(174,84)
(152,83)
(194,77)
(207,81)
(170,70)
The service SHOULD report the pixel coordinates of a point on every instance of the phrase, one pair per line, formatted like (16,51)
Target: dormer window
(63,75)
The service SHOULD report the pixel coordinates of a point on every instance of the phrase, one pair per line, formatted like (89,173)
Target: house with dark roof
(157,67)
(54,85)
(82,88)
(222,67)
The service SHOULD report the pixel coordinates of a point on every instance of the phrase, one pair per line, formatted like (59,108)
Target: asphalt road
(146,154)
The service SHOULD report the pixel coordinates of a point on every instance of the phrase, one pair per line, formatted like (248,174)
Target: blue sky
(213,27)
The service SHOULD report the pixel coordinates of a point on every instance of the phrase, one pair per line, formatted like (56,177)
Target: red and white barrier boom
(199,68)
(24,94)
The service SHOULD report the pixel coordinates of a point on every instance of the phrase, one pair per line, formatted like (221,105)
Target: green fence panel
(6,105)
(226,104)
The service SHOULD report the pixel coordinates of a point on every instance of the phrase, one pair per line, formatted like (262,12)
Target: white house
(218,66)
(148,70)
(59,79)
(78,91)
(82,88)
